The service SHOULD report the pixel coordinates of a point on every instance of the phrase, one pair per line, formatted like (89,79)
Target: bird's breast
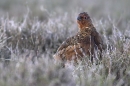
(85,40)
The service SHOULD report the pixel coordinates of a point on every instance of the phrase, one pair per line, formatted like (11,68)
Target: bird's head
(84,21)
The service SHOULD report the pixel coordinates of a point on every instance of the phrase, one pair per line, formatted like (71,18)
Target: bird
(82,44)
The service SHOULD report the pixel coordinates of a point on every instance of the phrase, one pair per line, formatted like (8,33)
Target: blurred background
(96,8)
(32,30)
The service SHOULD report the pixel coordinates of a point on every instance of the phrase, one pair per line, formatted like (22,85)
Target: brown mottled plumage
(81,44)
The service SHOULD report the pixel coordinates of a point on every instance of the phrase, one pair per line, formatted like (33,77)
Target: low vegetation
(32,30)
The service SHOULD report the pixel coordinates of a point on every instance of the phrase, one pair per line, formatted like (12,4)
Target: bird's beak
(79,18)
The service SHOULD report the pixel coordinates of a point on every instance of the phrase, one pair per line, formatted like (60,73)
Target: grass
(31,31)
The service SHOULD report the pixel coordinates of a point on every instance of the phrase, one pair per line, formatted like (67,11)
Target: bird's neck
(85,32)
(85,26)
(86,29)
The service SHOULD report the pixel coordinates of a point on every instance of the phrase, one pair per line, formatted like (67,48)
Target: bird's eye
(85,17)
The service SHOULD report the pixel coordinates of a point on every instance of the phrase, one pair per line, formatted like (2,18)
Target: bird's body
(81,44)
